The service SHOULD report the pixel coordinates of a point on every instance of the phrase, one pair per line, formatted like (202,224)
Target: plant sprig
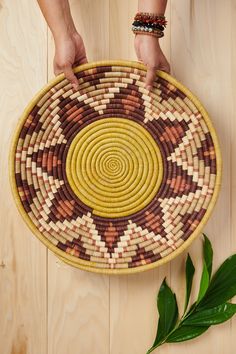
(210,308)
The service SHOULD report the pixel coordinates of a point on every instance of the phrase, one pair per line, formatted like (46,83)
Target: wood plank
(78,301)
(201,61)
(233,147)
(133,313)
(23,270)
(78,310)
(121,38)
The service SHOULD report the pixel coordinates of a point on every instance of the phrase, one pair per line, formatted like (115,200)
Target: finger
(150,77)
(165,67)
(57,71)
(78,62)
(84,61)
(69,74)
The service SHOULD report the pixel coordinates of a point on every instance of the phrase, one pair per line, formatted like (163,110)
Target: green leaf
(204,283)
(189,273)
(222,286)
(184,333)
(213,316)
(168,312)
(207,268)
(208,254)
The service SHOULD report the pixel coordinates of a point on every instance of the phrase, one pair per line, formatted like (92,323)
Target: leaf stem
(177,326)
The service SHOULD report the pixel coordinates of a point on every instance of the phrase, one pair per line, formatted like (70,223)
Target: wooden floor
(47,307)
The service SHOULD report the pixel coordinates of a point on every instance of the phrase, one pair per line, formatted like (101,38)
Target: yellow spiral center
(114,166)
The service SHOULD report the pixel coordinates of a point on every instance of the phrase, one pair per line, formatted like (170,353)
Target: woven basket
(111,177)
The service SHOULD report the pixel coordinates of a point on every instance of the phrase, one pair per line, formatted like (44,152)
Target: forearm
(58,16)
(153,6)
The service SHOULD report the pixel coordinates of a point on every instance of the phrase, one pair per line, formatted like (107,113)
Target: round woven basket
(111,177)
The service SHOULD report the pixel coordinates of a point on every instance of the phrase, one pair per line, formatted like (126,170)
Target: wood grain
(48,307)
(78,301)
(202,65)
(23,259)
(78,308)
(132,313)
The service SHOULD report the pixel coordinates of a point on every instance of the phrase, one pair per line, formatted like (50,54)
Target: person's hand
(149,52)
(69,52)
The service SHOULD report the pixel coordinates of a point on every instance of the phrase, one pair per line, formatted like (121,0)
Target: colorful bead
(149,23)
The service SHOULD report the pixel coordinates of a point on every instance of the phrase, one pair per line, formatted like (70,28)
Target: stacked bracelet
(149,23)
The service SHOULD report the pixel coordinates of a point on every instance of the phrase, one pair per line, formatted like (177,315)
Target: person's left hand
(149,52)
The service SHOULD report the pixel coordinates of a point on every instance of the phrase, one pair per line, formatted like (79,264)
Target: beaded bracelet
(150,17)
(149,33)
(149,14)
(149,23)
(144,30)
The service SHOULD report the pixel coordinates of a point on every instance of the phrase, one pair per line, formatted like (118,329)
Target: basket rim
(89,265)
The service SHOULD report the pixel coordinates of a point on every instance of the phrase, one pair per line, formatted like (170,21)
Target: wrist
(147,36)
(64,34)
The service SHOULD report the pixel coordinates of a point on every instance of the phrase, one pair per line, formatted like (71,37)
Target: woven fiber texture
(114,178)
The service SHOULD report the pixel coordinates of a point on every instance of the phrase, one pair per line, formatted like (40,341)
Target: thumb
(69,74)
(150,77)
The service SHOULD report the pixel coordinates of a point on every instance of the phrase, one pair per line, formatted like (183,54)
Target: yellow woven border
(87,265)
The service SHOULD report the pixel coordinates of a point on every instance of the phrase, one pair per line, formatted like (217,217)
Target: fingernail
(149,87)
(75,87)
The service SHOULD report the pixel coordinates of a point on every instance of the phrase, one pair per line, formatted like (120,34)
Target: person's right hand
(149,52)
(69,51)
